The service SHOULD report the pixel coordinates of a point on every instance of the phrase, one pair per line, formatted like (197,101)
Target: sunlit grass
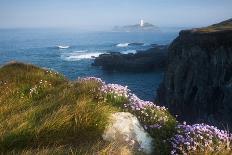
(57,112)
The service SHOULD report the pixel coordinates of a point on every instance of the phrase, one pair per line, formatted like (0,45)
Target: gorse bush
(42,112)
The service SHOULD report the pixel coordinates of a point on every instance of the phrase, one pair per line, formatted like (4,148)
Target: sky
(108,13)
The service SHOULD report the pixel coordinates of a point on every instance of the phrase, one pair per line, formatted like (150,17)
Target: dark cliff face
(198,81)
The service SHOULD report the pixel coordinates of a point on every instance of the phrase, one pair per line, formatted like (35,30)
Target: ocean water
(71,53)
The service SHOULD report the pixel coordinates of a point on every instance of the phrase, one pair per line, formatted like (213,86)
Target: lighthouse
(141,23)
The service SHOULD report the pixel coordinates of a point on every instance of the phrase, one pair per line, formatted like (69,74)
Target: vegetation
(41,112)
(225,25)
(41,109)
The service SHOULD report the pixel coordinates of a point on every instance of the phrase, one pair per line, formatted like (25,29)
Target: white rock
(125,128)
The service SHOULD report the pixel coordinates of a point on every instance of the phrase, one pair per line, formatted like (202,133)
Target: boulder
(124,128)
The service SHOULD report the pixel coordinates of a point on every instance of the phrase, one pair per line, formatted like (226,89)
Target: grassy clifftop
(222,26)
(40,109)
(41,112)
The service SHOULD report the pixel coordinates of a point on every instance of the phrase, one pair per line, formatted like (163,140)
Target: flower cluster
(94,79)
(199,138)
(159,123)
(51,72)
(34,90)
(136,103)
(115,89)
(37,88)
(149,114)
(3,82)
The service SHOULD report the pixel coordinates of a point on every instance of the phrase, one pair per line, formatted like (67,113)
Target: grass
(226,25)
(56,113)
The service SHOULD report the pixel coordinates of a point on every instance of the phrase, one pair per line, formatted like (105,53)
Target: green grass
(58,113)
(226,25)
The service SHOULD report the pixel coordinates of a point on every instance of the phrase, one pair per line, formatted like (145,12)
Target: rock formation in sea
(198,81)
(143,61)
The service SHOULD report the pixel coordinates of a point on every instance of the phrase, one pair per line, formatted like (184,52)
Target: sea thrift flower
(150,115)
(115,89)
(86,79)
(188,139)
(201,137)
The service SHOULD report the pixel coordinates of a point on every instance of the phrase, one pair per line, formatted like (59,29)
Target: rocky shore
(198,80)
(153,59)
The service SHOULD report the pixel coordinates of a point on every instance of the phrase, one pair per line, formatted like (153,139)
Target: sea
(71,52)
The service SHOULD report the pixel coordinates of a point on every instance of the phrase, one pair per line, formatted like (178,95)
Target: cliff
(198,80)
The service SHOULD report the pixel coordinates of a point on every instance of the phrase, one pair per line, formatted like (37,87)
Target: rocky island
(141,27)
(198,81)
(150,60)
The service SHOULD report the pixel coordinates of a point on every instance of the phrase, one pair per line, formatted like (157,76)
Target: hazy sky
(107,13)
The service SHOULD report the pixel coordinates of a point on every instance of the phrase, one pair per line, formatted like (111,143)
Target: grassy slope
(223,26)
(58,116)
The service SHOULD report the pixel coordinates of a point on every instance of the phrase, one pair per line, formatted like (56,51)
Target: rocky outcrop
(143,61)
(198,80)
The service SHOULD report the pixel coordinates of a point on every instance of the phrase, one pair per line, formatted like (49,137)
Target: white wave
(62,47)
(146,44)
(129,51)
(76,52)
(123,45)
(76,56)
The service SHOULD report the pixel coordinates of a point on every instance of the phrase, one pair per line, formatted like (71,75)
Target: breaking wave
(130,44)
(62,47)
(123,45)
(128,51)
(79,55)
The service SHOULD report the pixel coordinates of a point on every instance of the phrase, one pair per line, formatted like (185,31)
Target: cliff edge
(198,79)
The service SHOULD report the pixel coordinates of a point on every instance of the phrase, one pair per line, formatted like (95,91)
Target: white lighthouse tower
(141,23)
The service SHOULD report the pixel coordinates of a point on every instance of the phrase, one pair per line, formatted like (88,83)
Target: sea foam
(128,51)
(62,47)
(123,45)
(79,55)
